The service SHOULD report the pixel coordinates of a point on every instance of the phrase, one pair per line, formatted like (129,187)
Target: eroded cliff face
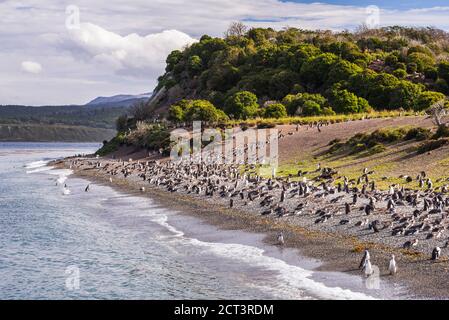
(165,95)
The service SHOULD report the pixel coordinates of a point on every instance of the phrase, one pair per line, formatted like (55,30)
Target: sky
(55,52)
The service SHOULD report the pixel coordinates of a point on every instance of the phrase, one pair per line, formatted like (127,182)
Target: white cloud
(31,67)
(132,54)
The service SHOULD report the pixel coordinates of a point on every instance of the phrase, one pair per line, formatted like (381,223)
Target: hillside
(50,133)
(103,117)
(308,72)
(121,100)
(95,121)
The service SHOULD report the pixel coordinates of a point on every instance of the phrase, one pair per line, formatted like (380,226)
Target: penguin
(280,238)
(366,257)
(391,191)
(392,268)
(368,209)
(390,204)
(347,208)
(231,203)
(436,253)
(87,188)
(367,268)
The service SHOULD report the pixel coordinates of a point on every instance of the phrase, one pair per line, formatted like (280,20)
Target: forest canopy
(266,73)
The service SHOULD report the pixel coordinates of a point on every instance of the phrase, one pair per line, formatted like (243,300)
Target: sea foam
(294,281)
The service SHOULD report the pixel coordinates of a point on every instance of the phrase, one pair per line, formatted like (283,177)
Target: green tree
(311,108)
(343,101)
(282,84)
(295,103)
(421,60)
(176,114)
(121,123)
(314,72)
(173,59)
(195,65)
(242,105)
(427,99)
(203,110)
(443,71)
(301,54)
(400,73)
(342,71)
(275,110)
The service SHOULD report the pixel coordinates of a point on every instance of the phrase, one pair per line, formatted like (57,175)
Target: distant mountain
(94,121)
(122,100)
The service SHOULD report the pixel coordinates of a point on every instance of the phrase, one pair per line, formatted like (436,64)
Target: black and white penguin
(366,256)
(347,208)
(280,238)
(436,253)
(393,268)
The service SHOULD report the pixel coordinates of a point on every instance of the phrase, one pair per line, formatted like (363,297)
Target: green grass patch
(339,118)
(367,144)
(112,145)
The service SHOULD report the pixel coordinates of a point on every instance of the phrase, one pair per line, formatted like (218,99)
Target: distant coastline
(53,133)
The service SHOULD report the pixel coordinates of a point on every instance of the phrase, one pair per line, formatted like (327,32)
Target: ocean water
(104,244)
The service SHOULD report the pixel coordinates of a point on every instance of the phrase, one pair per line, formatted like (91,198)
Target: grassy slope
(305,149)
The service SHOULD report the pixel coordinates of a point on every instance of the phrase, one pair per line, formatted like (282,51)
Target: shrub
(343,101)
(373,143)
(412,67)
(400,73)
(443,71)
(421,60)
(176,114)
(335,141)
(391,60)
(432,145)
(418,134)
(327,111)
(275,110)
(121,124)
(427,99)
(315,71)
(311,108)
(242,105)
(431,73)
(377,148)
(295,103)
(265,125)
(111,146)
(341,71)
(195,65)
(442,132)
(203,110)
(442,86)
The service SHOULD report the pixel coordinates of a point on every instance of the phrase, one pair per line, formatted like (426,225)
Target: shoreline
(422,278)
